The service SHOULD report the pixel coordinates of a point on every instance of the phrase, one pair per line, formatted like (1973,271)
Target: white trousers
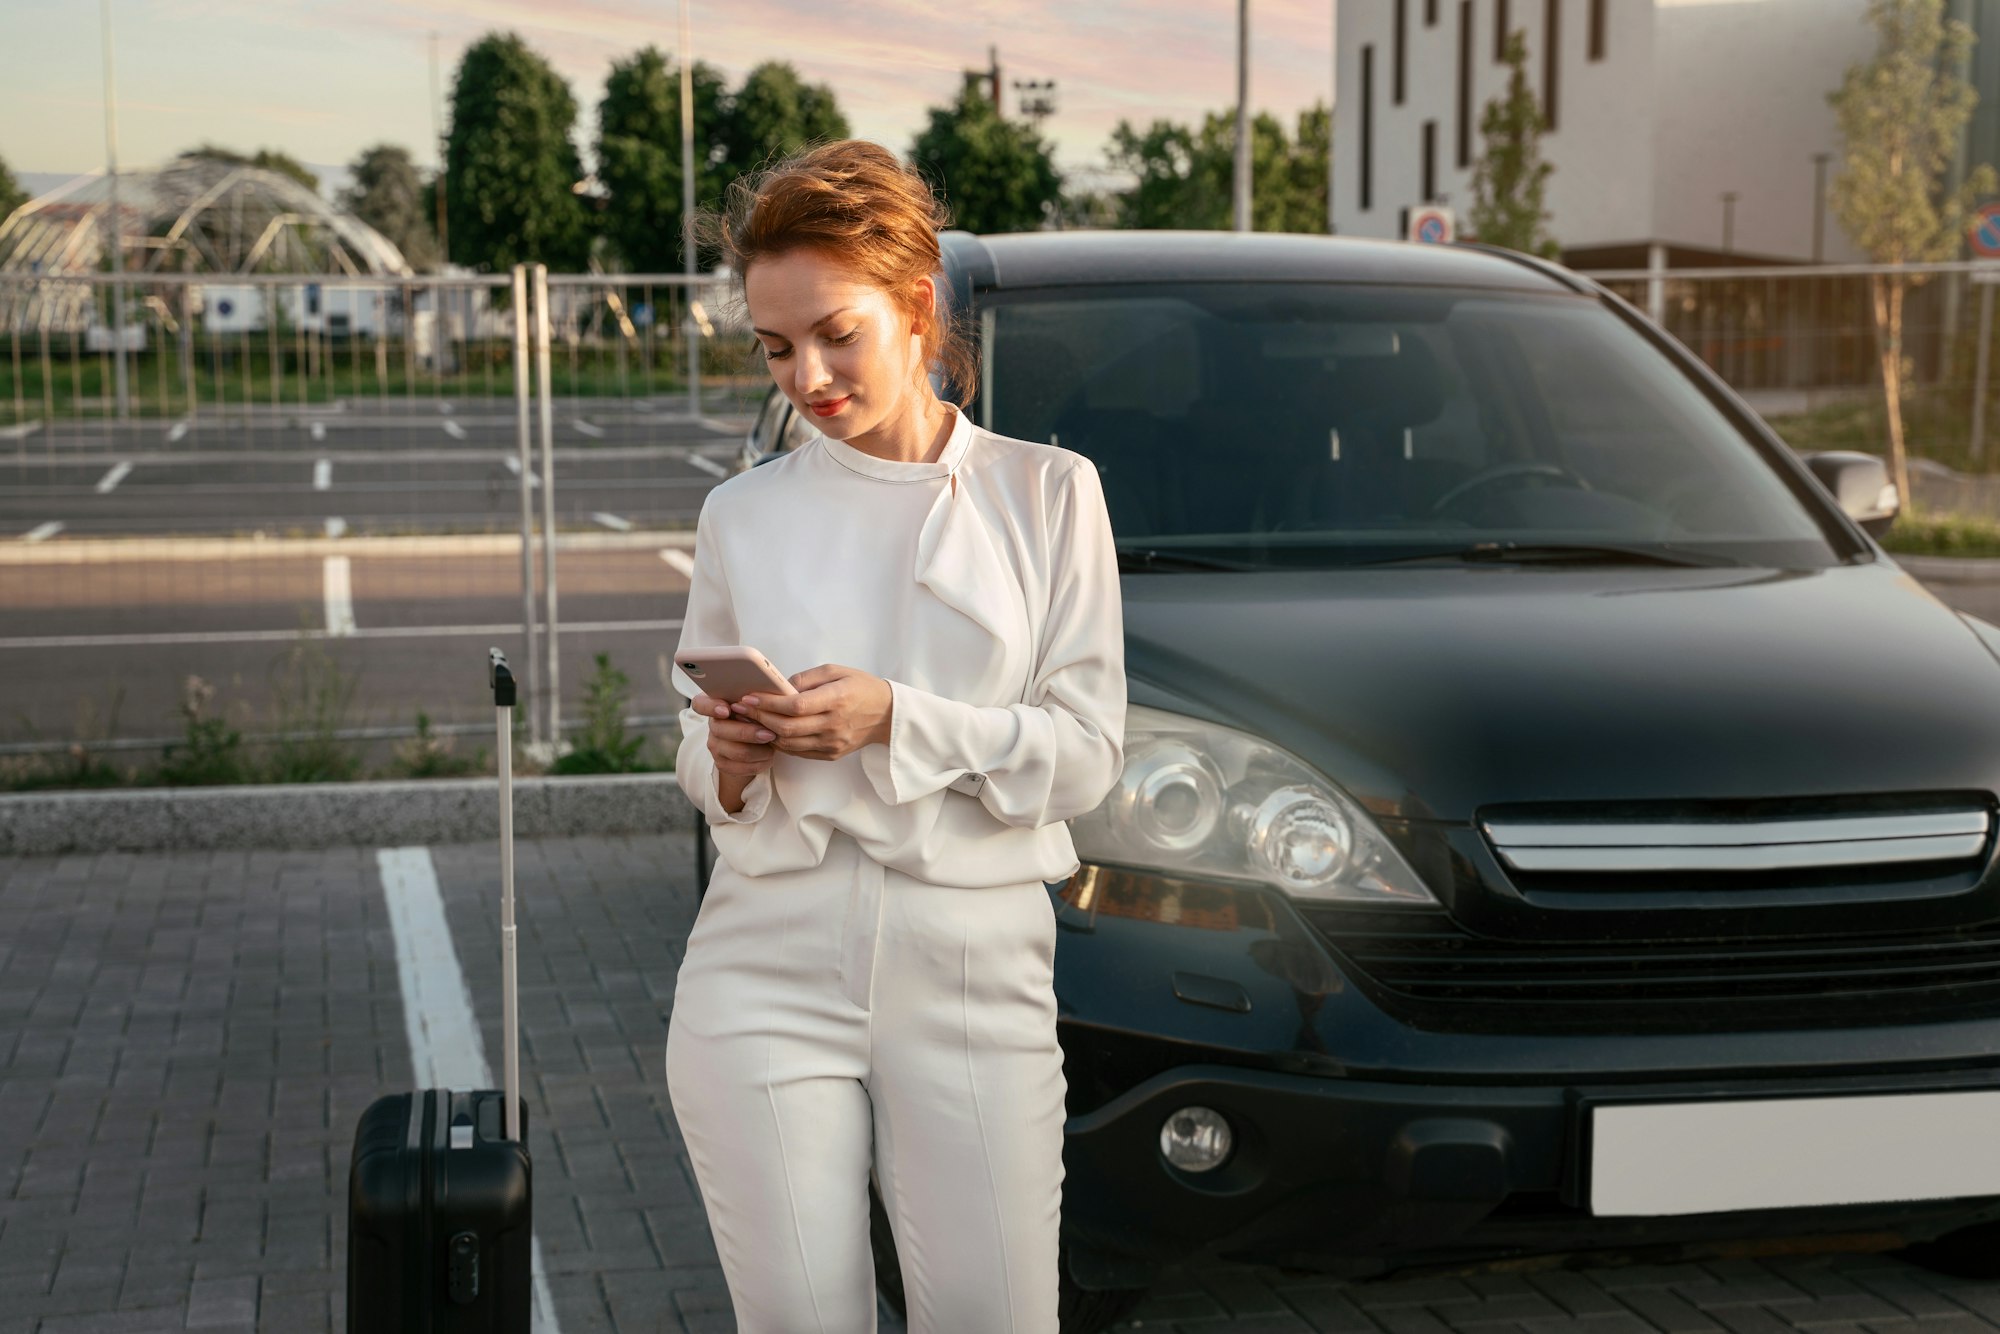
(847,1014)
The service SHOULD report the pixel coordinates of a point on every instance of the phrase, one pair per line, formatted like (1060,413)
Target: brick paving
(187,1039)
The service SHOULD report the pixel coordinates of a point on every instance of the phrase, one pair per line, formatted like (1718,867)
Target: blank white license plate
(1783,1153)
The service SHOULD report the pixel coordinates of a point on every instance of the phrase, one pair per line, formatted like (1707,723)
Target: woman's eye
(776,353)
(846,338)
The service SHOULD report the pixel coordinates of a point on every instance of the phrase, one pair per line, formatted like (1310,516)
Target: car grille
(1425,963)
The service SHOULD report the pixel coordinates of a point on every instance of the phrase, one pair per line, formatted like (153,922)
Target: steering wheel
(1501,471)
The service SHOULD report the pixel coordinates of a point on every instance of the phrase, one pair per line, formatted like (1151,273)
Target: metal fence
(311,486)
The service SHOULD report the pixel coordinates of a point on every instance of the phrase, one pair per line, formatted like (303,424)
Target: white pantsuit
(870,979)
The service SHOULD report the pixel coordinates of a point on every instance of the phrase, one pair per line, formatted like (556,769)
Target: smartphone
(731,672)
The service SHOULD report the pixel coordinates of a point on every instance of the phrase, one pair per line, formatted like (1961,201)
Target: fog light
(1196,1139)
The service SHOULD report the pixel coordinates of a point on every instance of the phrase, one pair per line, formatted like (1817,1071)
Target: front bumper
(1362,1177)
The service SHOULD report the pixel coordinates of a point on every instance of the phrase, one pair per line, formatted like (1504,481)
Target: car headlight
(1197,797)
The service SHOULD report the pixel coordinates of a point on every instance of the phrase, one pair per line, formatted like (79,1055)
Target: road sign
(1431,224)
(1985,234)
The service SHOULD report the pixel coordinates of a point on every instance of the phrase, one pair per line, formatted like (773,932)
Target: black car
(1550,824)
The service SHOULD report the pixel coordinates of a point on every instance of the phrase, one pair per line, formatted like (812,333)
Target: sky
(323,79)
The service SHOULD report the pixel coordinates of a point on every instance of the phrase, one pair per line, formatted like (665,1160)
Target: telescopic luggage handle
(502,682)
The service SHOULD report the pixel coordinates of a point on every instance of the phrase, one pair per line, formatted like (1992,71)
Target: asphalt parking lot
(187,1039)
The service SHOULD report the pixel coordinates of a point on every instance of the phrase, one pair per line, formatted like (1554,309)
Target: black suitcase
(440,1189)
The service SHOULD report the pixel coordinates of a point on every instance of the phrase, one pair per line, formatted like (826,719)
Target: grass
(1943,535)
(1937,425)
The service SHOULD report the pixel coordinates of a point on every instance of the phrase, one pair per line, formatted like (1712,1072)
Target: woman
(869,982)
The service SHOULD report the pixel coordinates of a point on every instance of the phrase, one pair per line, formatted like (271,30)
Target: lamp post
(122,387)
(1242,182)
(693,323)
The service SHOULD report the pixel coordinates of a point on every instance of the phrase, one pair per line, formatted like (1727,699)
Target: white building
(1685,131)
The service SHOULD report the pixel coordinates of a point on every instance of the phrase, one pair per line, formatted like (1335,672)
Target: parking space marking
(445,408)
(585,428)
(514,466)
(611,521)
(113,478)
(42,532)
(339,585)
(319,430)
(20,432)
(335,525)
(322,474)
(454,430)
(447,1049)
(680,559)
(707,464)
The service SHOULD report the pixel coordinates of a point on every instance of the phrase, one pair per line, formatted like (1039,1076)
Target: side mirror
(1859,483)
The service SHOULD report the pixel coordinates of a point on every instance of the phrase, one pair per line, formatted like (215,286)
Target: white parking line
(339,597)
(611,521)
(21,432)
(595,432)
(514,466)
(446,1048)
(319,430)
(322,474)
(445,408)
(335,525)
(454,430)
(42,532)
(177,430)
(113,478)
(680,559)
(707,465)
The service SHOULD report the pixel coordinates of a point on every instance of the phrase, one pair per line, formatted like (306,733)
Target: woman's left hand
(837,711)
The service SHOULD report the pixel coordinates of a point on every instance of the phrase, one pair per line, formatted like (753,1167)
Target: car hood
(1430,693)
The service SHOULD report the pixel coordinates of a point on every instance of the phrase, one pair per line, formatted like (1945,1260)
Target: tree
(1900,117)
(1185,176)
(270,159)
(998,174)
(389,194)
(510,166)
(1510,179)
(775,112)
(639,156)
(12,196)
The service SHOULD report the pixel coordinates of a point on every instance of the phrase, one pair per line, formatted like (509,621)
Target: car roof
(1087,256)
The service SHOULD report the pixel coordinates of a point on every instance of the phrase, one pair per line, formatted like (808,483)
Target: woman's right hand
(741,749)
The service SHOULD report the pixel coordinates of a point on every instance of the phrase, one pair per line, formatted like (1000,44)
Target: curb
(1951,569)
(327,815)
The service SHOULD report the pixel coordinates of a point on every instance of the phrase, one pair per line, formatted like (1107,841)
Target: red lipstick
(829,406)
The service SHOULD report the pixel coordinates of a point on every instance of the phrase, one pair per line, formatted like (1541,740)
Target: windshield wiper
(1131,559)
(1578,553)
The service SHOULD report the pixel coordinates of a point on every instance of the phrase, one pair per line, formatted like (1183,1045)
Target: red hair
(865,207)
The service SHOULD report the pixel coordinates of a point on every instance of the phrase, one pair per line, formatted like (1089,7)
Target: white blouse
(991,607)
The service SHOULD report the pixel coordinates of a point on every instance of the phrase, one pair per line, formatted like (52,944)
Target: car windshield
(1260,425)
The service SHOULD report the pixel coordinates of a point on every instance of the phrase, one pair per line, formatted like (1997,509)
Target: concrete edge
(1951,569)
(325,815)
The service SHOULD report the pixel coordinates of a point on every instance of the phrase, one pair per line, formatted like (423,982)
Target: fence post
(525,459)
(1979,371)
(548,501)
(187,347)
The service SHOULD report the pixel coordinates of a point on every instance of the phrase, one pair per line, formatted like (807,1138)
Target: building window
(1367,128)
(1499,30)
(1465,83)
(1597,29)
(1430,13)
(1402,46)
(1551,48)
(1430,160)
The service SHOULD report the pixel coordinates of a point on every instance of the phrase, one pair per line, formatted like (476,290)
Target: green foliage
(1186,176)
(427,755)
(510,165)
(12,196)
(212,752)
(78,764)
(639,155)
(270,159)
(604,748)
(998,174)
(390,195)
(1901,115)
(1510,180)
(310,695)
(773,113)
(1944,535)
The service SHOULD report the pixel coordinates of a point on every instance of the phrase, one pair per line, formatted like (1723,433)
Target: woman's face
(842,350)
